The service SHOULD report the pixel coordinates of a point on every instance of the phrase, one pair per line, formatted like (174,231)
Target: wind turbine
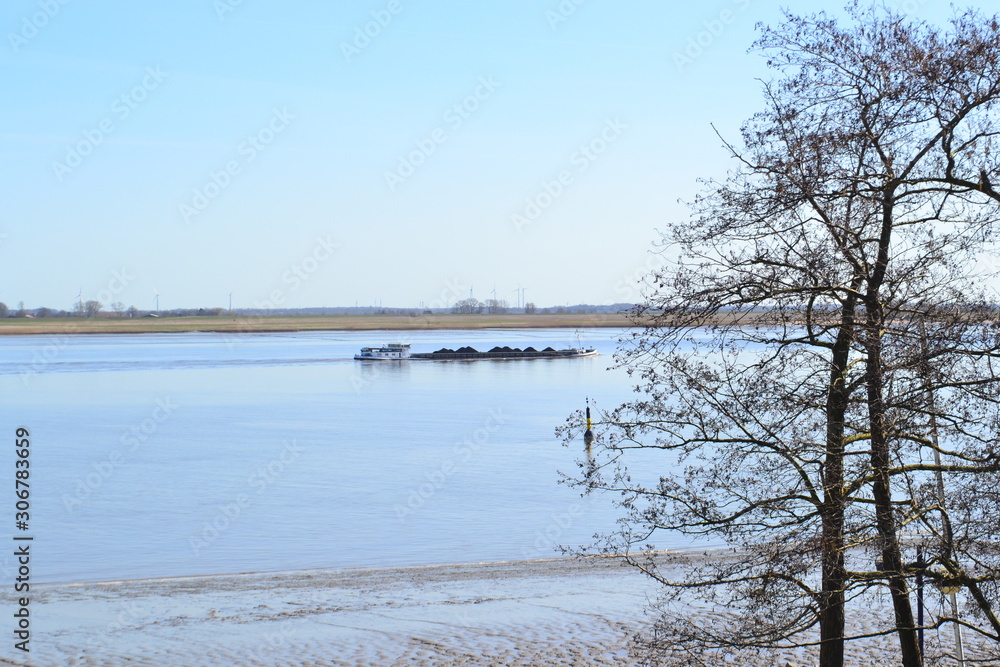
(521,301)
(230,302)
(157,299)
(79,298)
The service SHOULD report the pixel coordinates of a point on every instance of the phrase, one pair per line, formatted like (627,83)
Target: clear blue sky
(201,147)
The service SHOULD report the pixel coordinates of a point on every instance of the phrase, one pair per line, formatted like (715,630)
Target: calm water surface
(171,454)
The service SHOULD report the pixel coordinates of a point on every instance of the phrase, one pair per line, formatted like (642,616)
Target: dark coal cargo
(505,352)
(401,352)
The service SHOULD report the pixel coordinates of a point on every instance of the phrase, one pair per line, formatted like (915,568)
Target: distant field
(306,323)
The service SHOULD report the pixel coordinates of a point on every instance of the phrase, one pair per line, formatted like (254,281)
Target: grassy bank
(247,324)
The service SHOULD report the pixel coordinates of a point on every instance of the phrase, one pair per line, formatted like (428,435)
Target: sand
(544,612)
(557,612)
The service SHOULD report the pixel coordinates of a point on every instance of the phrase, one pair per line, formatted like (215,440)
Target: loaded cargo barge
(505,353)
(401,352)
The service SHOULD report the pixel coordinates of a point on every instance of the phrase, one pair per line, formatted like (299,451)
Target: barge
(390,352)
(470,353)
(401,351)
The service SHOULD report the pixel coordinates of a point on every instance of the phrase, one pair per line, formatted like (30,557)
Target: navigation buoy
(588,435)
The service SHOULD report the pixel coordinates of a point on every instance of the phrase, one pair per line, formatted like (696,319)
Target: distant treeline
(95,309)
(483,309)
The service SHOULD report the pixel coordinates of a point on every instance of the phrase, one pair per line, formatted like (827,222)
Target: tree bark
(831,650)
(885,523)
(892,560)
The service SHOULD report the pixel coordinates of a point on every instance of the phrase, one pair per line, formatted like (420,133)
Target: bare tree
(468,306)
(497,306)
(93,308)
(782,379)
(119,308)
(4,310)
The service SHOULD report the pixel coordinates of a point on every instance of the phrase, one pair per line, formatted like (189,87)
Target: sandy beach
(552,612)
(545,612)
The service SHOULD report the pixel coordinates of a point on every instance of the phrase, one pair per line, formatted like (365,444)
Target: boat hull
(390,352)
(399,352)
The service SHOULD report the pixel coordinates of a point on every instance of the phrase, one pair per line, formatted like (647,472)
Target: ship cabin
(389,352)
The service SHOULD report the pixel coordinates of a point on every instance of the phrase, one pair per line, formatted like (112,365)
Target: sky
(403,153)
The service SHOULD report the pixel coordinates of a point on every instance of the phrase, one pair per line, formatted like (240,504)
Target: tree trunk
(892,560)
(831,621)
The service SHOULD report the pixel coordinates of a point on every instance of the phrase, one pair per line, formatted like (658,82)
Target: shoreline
(548,611)
(588,562)
(553,611)
(278,323)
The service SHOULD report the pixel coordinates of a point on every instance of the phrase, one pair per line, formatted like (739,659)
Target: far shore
(423,322)
(278,323)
